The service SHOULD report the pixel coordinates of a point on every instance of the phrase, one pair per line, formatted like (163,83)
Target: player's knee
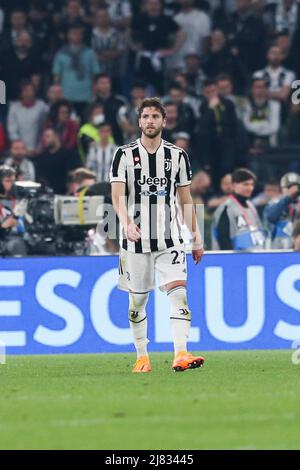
(179,305)
(137,305)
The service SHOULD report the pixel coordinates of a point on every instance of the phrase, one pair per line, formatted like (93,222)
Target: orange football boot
(185,360)
(142,364)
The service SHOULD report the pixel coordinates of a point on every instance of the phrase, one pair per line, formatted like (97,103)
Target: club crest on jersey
(168,165)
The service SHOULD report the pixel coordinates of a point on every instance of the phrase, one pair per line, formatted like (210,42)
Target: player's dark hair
(152,103)
(242,174)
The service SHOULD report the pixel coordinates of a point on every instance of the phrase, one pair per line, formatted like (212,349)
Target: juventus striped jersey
(151,184)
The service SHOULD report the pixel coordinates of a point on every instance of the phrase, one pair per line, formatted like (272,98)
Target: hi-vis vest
(246,232)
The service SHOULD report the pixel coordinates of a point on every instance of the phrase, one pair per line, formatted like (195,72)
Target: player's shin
(138,321)
(180,318)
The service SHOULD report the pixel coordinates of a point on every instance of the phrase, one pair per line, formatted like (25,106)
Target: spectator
(18,160)
(220,59)
(101,154)
(53,165)
(197,28)
(183,141)
(109,45)
(120,13)
(60,119)
(18,24)
(216,141)
(40,26)
(151,40)
(283,16)
(128,113)
(11,227)
(271,190)
(79,180)
(54,94)
(226,90)
(261,118)
(277,78)
(172,127)
(225,191)
(194,74)
(283,213)
(89,132)
(19,64)
(247,35)
(189,97)
(186,116)
(111,103)
(75,66)
(237,225)
(73,16)
(26,118)
(201,187)
(290,57)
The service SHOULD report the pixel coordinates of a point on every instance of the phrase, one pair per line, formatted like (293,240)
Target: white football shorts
(137,270)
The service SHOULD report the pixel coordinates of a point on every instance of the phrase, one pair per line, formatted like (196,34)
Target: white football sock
(180,318)
(138,321)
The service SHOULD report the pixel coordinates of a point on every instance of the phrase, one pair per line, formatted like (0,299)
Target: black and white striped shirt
(99,160)
(151,184)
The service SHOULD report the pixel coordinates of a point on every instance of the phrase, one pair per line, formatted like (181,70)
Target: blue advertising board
(72,305)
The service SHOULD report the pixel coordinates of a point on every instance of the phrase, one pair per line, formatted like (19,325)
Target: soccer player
(146,176)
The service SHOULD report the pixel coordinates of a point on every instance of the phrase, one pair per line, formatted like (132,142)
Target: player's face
(151,122)
(245,188)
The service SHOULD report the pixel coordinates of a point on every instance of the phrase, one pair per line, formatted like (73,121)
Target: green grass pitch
(238,400)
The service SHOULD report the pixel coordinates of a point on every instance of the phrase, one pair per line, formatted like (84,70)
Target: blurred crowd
(76,71)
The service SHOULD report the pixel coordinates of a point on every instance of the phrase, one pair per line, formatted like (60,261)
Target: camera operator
(283,214)
(11,227)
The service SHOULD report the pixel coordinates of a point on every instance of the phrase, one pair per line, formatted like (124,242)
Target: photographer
(11,227)
(283,214)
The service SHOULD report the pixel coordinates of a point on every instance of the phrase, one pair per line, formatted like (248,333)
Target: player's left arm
(189,217)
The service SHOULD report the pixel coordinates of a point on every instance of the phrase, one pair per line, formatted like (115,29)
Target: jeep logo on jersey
(156,181)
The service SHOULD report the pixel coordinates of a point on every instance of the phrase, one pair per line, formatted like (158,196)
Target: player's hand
(197,255)
(133,232)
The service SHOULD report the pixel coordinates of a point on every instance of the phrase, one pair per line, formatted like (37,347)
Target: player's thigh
(136,271)
(170,266)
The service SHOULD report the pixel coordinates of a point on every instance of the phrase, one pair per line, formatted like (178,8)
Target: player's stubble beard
(151,135)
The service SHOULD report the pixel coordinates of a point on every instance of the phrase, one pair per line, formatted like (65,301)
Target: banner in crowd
(72,305)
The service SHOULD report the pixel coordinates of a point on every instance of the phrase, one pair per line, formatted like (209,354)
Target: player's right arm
(131,230)
(118,185)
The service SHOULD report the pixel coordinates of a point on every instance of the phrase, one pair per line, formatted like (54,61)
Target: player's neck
(151,145)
